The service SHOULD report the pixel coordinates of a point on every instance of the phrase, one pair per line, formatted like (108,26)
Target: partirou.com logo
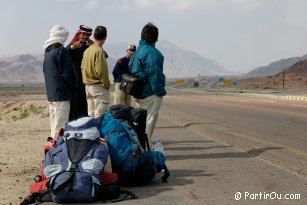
(266,196)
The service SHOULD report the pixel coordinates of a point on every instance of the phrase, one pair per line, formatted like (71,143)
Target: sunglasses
(132,50)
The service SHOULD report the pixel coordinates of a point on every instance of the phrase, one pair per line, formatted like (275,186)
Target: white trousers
(152,104)
(59,115)
(120,97)
(98,99)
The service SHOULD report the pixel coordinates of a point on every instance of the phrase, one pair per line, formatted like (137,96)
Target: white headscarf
(58,34)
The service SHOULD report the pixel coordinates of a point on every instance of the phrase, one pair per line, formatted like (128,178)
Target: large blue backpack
(74,164)
(134,165)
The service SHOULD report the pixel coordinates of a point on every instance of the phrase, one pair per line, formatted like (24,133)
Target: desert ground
(24,128)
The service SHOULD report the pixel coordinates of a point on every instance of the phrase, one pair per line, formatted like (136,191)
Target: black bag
(111,191)
(136,118)
(132,85)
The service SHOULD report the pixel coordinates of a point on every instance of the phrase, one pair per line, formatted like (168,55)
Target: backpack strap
(127,193)
(31,199)
(134,138)
(64,184)
(98,119)
(166,175)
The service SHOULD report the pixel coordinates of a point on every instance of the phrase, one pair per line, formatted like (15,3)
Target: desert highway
(272,129)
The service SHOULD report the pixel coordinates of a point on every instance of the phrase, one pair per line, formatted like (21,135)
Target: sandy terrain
(24,128)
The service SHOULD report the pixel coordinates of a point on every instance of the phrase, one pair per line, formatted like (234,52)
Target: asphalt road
(256,125)
(219,147)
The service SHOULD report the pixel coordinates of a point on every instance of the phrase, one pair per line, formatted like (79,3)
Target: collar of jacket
(143,42)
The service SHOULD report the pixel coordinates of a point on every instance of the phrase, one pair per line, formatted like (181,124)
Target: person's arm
(101,69)
(68,72)
(116,70)
(154,71)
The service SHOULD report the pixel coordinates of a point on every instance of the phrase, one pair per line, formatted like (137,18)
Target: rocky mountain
(293,77)
(21,68)
(298,69)
(275,67)
(178,63)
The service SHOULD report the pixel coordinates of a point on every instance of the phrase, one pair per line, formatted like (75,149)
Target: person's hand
(77,44)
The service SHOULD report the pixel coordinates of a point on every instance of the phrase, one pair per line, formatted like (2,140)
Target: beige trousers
(98,99)
(59,115)
(152,104)
(120,97)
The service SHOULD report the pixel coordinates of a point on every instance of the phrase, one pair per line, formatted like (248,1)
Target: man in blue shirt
(120,68)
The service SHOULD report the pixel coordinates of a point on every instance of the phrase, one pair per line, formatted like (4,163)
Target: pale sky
(238,34)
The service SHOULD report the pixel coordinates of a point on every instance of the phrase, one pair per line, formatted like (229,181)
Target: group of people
(77,78)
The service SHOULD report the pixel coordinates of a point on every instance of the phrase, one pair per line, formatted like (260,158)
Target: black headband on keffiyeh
(82,29)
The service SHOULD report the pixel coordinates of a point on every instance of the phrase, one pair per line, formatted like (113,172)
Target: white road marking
(299,105)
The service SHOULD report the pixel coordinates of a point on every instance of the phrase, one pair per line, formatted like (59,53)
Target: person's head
(130,50)
(58,34)
(84,33)
(100,34)
(150,33)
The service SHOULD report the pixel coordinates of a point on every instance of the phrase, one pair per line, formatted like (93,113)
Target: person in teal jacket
(147,63)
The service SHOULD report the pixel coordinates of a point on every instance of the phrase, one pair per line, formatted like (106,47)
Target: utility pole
(283,79)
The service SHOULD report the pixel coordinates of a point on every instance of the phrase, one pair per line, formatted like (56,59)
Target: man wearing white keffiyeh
(59,78)
(58,34)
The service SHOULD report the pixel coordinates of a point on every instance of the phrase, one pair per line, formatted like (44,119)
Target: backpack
(130,161)
(40,190)
(136,117)
(74,164)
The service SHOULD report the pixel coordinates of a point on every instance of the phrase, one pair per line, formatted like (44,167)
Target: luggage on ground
(65,151)
(136,117)
(74,164)
(133,164)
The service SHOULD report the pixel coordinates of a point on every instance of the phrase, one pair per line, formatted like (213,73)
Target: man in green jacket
(147,63)
(95,75)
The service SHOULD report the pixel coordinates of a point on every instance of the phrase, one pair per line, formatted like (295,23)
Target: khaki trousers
(120,97)
(59,115)
(152,104)
(98,99)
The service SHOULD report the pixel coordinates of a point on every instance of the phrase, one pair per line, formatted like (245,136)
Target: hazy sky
(238,34)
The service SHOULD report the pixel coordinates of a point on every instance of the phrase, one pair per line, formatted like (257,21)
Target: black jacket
(59,74)
(76,58)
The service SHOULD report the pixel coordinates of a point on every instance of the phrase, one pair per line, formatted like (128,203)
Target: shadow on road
(186,142)
(256,152)
(178,177)
(186,125)
(194,148)
(248,154)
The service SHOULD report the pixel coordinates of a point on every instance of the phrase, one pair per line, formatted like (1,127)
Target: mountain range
(276,67)
(178,63)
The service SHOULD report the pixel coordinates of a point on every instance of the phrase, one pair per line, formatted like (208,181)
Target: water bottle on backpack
(158,146)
